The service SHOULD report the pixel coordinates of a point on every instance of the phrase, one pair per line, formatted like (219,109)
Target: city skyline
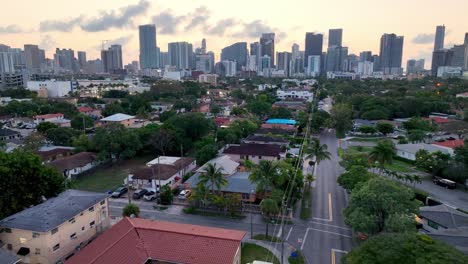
(176,22)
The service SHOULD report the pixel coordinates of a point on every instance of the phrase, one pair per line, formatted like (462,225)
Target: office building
(376,61)
(313,65)
(203,46)
(81,59)
(94,66)
(441,58)
(112,59)
(236,52)
(365,68)
(230,68)
(365,56)
(466,39)
(148,53)
(460,56)
(335,37)
(439,38)
(7,61)
(163,59)
(295,51)
(282,61)
(34,57)
(251,63)
(265,66)
(65,59)
(391,53)
(208,78)
(414,66)
(336,56)
(350,63)
(267,46)
(313,46)
(180,55)
(204,62)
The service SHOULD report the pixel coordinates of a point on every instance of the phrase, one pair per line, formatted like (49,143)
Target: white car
(185,194)
(151,195)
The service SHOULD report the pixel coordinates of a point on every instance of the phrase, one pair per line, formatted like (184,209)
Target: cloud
(11,29)
(423,38)
(167,22)
(57,25)
(255,29)
(118,41)
(222,26)
(47,42)
(198,18)
(113,19)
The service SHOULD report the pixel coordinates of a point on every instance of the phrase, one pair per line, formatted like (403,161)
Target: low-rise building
(295,94)
(51,153)
(254,152)
(226,165)
(56,229)
(52,88)
(75,164)
(264,139)
(57,119)
(91,112)
(408,151)
(8,134)
(143,241)
(123,119)
(211,79)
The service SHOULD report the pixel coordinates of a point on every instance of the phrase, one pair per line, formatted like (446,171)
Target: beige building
(123,119)
(53,231)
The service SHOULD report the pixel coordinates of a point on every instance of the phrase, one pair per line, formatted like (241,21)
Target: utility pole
(251,215)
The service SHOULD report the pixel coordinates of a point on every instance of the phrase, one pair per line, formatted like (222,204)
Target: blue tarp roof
(281,121)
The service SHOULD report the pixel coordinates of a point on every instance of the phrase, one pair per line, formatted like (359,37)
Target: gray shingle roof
(237,183)
(445,216)
(4,132)
(53,212)
(413,148)
(8,258)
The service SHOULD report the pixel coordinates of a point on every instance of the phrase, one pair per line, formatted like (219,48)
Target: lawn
(359,149)
(400,166)
(376,140)
(109,177)
(306,204)
(251,252)
(299,259)
(266,238)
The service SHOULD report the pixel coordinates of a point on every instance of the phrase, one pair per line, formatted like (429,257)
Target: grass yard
(400,166)
(376,140)
(251,252)
(297,260)
(359,149)
(266,238)
(109,178)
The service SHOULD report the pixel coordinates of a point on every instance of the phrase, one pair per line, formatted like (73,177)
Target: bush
(131,209)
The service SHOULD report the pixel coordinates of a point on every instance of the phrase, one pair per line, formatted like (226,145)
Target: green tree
(341,116)
(385,128)
(215,109)
(61,136)
(116,142)
(382,153)
(213,177)
(259,105)
(81,122)
(416,135)
(206,153)
(406,248)
(24,180)
(354,177)
(354,159)
(279,112)
(381,205)
(34,141)
(266,175)
(419,124)
(115,94)
(368,130)
(269,209)
(44,126)
(82,143)
(319,119)
(131,209)
(166,195)
(113,108)
(317,150)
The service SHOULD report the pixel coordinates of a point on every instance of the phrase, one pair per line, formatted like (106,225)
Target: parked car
(184,194)
(151,195)
(445,183)
(139,193)
(119,192)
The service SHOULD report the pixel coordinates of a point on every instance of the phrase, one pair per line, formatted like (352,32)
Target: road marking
(141,210)
(330,213)
(329,232)
(304,240)
(333,254)
(289,233)
(280,232)
(335,226)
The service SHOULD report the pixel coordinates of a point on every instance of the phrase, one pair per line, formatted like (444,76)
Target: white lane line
(330,208)
(289,233)
(344,228)
(280,231)
(304,239)
(321,219)
(329,232)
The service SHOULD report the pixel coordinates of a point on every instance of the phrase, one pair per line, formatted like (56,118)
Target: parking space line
(305,238)
(329,232)
(333,254)
(289,233)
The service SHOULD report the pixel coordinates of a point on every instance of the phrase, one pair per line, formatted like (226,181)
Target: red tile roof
(451,143)
(47,116)
(133,241)
(438,120)
(85,109)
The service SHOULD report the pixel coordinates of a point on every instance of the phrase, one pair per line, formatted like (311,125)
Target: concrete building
(251,63)
(56,229)
(391,52)
(313,68)
(64,59)
(230,68)
(82,59)
(34,57)
(53,88)
(365,56)
(449,72)
(460,56)
(441,58)
(236,52)
(254,152)
(313,46)
(267,46)
(335,37)
(212,79)
(180,55)
(112,59)
(204,62)
(439,38)
(283,60)
(365,68)
(336,56)
(149,58)
(295,94)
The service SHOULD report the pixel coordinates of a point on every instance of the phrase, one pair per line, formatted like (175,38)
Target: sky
(84,24)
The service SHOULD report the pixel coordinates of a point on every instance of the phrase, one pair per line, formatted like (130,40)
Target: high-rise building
(34,57)
(441,58)
(313,68)
(180,55)
(365,68)
(350,63)
(295,53)
(163,59)
(460,56)
(267,46)
(81,59)
(65,59)
(282,61)
(251,63)
(391,53)
(439,38)
(365,56)
(335,37)
(236,52)
(313,46)
(336,56)
(204,62)
(112,59)
(148,54)
(230,68)
(466,39)
(203,46)
(7,64)
(376,61)
(414,66)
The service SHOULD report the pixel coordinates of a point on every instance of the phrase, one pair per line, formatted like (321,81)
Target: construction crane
(104,43)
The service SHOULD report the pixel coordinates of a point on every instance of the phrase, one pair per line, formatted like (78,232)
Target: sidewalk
(275,248)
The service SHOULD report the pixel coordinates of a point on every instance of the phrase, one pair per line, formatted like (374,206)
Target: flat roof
(117,118)
(281,121)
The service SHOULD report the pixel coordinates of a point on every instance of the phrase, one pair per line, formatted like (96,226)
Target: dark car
(119,192)
(139,193)
(445,183)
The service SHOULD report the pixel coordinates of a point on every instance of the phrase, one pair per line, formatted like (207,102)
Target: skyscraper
(65,59)
(112,59)
(460,56)
(391,52)
(282,61)
(313,46)
(441,58)
(180,55)
(148,54)
(236,52)
(414,66)
(365,56)
(204,62)
(81,59)
(335,37)
(439,38)
(267,44)
(295,53)
(203,46)
(313,68)
(336,56)
(34,57)
(466,39)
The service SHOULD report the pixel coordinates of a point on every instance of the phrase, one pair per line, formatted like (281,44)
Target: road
(323,239)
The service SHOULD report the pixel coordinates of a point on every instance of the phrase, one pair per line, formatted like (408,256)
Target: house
(264,139)
(273,131)
(143,241)
(274,121)
(291,105)
(450,145)
(289,128)
(168,171)
(408,151)
(226,164)
(295,94)
(7,257)
(91,112)
(254,152)
(217,93)
(57,119)
(222,122)
(75,164)
(8,134)
(444,223)
(123,119)
(55,229)
(50,153)
(237,183)
(161,107)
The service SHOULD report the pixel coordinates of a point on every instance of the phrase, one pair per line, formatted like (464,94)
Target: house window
(259,157)
(91,209)
(245,196)
(38,251)
(73,236)
(56,247)
(10,247)
(82,228)
(71,221)
(55,230)
(7,230)
(102,202)
(91,224)
(34,234)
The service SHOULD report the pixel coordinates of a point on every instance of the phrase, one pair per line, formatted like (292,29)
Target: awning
(23,251)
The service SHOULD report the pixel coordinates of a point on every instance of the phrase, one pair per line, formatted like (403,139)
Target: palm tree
(213,176)
(265,174)
(317,150)
(382,154)
(309,179)
(269,208)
